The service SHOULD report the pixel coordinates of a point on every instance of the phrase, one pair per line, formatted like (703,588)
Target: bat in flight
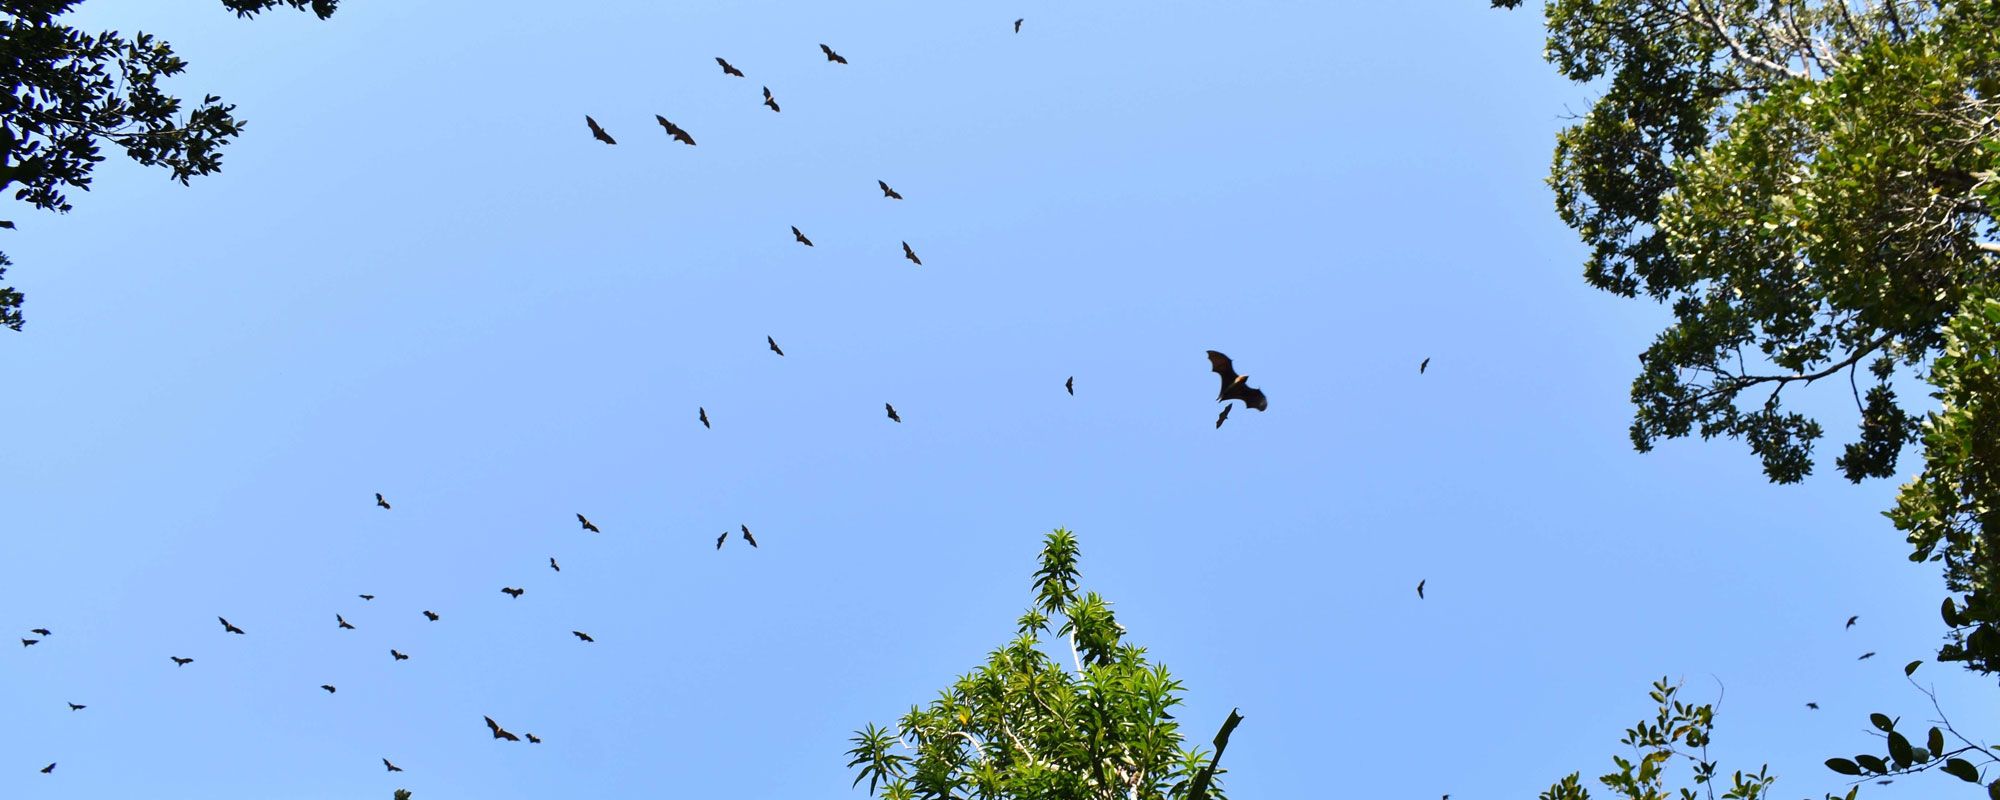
(343,622)
(499,732)
(774,345)
(328,687)
(582,635)
(1865,656)
(801,237)
(228,628)
(398,655)
(366,596)
(553,565)
(431,615)
(379,501)
(704,416)
(888,192)
(1420,590)
(75,707)
(181,662)
(892,412)
(39,631)
(513,592)
(769,100)
(586,524)
(720,539)
(1813,706)
(1424,366)
(1017,24)
(532,739)
(1852,620)
(728,70)
(1070,386)
(1219,418)
(597,132)
(832,56)
(392,767)
(675,131)
(747,537)
(30,642)
(1234,386)
(50,768)
(911,255)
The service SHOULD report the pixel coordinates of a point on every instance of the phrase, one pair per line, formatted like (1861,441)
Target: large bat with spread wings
(1234,386)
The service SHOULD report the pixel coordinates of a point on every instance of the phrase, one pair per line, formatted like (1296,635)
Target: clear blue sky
(419,275)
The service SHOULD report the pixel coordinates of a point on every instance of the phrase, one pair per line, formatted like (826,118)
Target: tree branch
(1736,48)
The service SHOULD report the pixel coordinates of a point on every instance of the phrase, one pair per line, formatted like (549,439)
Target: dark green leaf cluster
(71,91)
(1904,757)
(1803,184)
(1679,732)
(1025,726)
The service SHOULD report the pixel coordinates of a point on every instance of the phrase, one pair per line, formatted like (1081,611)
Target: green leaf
(1961,769)
(1911,668)
(1842,766)
(1936,741)
(1993,790)
(1899,749)
(1871,763)
(1882,722)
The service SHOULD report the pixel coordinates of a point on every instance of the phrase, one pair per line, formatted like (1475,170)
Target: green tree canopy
(1809,186)
(1027,726)
(71,92)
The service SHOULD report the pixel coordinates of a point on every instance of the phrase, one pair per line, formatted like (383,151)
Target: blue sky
(419,275)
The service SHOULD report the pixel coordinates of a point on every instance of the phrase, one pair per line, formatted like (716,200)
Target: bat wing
(1253,398)
(1221,365)
(720,539)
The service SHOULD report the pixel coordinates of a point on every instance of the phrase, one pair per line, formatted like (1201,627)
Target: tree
(1678,733)
(1810,187)
(71,92)
(1024,727)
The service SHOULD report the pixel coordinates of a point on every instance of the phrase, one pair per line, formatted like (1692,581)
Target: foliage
(1024,727)
(1954,756)
(1679,732)
(1952,510)
(70,91)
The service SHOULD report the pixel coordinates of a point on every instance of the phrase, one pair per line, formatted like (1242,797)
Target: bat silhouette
(50,768)
(801,237)
(1865,656)
(582,635)
(513,592)
(1070,386)
(343,622)
(74,707)
(728,70)
(1424,366)
(1017,24)
(228,628)
(431,615)
(911,255)
(1813,706)
(379,501)
(1223,416)
(30,642)
(499,732)
(1420,589)
(675,131)
(774,345)
(366,596)
(704,416)
(39,631)
(1852,620)
(720,539)
(888,192)
(892,412)
(399,656)
(747,537)
(832,56)
(181,662)
(586,524)
(328,687)
(598,132)
(553,565)
(1234,386)
(769,100)
(532,739)
(392,767)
